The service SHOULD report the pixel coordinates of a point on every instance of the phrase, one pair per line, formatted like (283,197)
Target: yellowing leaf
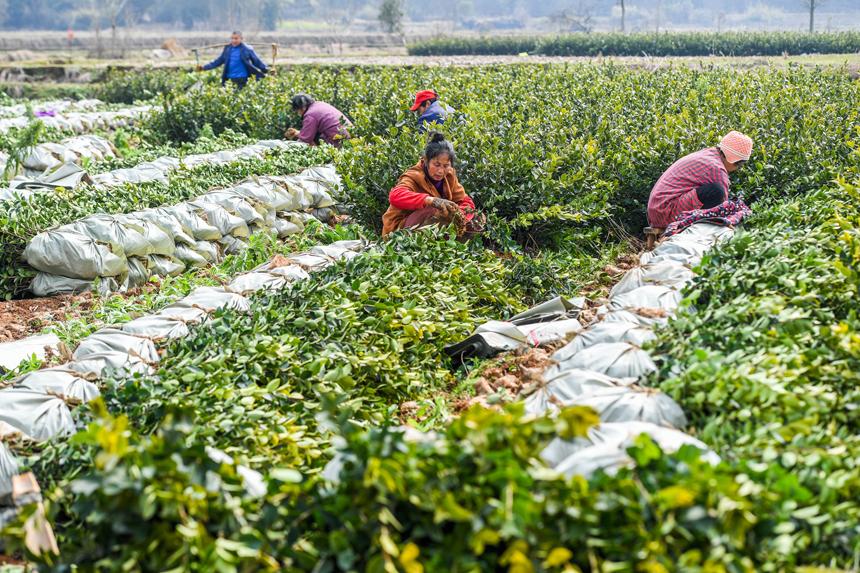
(558,556)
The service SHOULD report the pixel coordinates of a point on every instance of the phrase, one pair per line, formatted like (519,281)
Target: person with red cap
(698,181)
(429,109)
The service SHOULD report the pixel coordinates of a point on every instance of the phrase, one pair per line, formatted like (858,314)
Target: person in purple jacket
(320,121)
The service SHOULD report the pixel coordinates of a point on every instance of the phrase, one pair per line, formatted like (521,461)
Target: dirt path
(21,318)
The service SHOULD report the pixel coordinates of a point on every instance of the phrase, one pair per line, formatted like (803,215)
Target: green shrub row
(321,367)
(130,86)
(20,221)
(647,44)
(767,366)
(552,154)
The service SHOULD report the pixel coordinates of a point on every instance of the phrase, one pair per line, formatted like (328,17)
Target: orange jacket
(415,180)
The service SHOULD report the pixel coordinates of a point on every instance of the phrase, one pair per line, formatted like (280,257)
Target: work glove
(199,68)
(447,207)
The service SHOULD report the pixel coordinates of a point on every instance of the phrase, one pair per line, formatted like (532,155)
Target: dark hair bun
(435,137)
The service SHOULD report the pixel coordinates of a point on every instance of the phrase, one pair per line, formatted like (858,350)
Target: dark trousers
(238,83)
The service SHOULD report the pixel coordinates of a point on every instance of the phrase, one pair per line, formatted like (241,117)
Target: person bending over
(320,121)
(697,180)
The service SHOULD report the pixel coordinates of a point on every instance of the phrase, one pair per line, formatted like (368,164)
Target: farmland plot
(270,438)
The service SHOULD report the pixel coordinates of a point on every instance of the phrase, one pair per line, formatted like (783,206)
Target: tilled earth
(21,318)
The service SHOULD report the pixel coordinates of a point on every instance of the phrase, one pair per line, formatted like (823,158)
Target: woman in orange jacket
(429,192)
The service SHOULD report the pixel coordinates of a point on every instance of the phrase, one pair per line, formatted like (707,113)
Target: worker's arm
(723,177)
(308,134)
(408,200)
(219,61)
(258,63)
(466,204)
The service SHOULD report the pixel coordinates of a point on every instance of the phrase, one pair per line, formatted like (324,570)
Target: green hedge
(335,353)
(647,44)
(553,153)
(767,364)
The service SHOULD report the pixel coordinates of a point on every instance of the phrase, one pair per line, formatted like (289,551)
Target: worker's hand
(291,133)
(199,68)
(446,207)
(272,71)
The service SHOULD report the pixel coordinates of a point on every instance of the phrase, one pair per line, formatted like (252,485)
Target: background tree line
(567,15)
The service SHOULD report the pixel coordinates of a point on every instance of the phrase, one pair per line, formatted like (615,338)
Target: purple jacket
(324,121)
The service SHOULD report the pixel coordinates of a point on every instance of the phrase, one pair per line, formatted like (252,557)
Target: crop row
(647,44)
(316,364)
(80,122)
(767,365)
(49,107)
(23,220)
(553,153)
(126,251)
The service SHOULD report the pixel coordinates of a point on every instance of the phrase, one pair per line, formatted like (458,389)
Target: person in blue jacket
(429,109)
(239,61)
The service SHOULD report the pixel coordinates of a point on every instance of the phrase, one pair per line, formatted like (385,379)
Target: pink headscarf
(736,146)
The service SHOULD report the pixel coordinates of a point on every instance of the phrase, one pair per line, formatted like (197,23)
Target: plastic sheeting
(60,105)
(117,362)
(605,332)
(211,299)
(707,233)
(39,416)
(115,340)
(569,385)
(47,284)
(606,447)
(157,327)
(632,404)
(64,157)
(667,273)
(73,150)
(166,241)
(59,382)
(33,407)
(638,316)
(15,352)
(81,122)
(551,321)
(650,296)
(65,176)
(75,255)
(9,468)
(616,359)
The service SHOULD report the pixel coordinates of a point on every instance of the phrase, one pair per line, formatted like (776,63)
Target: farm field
(261,382)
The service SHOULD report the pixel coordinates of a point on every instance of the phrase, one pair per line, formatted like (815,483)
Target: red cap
(421,97)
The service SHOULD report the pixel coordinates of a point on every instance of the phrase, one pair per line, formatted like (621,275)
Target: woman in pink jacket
(320,122)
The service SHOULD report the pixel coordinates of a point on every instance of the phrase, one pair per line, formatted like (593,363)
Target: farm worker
(239,61)
(319,121)
(429,109)
(429,192)
(686,185)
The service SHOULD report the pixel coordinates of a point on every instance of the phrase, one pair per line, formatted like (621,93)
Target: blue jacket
(436,113)
(252,62)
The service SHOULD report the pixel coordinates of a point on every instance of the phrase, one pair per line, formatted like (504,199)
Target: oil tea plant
(553,154)
(648,44)
(767,366)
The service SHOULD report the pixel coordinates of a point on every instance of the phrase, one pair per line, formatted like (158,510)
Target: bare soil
(21,318)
